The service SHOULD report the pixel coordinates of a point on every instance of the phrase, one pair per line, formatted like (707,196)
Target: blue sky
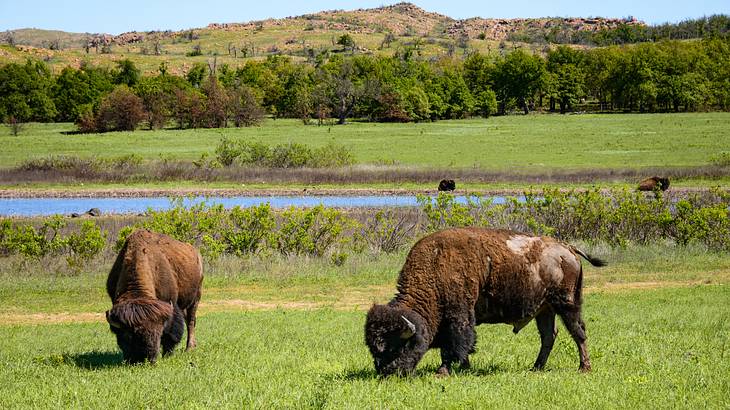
(128,15)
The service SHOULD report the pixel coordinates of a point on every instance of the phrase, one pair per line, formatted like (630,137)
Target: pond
(67,206)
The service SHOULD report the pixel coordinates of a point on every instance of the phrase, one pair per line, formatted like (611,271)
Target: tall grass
(74,170)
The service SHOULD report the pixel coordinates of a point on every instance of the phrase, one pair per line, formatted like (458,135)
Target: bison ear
(410,331)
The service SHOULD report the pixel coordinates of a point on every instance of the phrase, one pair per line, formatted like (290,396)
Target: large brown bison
(455,279)
(650,184)
(155,283)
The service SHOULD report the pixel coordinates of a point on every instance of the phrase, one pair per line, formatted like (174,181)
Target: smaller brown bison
(447,185)
(154,286)
(455,279)
(653,183)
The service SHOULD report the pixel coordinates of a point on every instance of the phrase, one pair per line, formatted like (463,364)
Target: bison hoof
(585,368)
(443,371)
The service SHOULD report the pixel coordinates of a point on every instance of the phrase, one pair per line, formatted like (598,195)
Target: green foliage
(248,230)
(619,218)
(25,92)
(311,231)
(293,155)
(48,240)
(126,73)
(85,245)
(446,211)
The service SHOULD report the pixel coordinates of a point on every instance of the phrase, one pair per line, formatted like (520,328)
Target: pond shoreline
(27,193)
(227,192)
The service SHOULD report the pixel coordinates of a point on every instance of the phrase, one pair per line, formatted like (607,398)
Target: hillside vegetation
(383,30)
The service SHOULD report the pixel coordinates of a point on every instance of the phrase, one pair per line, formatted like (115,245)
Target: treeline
(650,77)
(717,25)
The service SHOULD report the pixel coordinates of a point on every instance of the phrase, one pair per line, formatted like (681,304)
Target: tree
(216,110)
(121,110)
(347,42)
(197,74)
(244,107)
(567,79)
(518,76)
(25,92)
(77,91)
(126,73)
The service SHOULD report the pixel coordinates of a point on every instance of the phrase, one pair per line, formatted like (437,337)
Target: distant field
(289,334)
(532,143)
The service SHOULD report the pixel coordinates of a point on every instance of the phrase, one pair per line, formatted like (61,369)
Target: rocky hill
(382,30)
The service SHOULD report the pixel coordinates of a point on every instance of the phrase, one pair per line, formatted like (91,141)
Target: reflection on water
(65,206)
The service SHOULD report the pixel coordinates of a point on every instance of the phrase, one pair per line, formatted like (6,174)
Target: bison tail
(593,260)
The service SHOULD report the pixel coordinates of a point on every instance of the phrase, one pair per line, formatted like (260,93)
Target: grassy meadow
(536,142)
(509,146)
(288,333)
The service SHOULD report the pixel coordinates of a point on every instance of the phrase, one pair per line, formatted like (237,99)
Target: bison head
(138,326)
(396,337)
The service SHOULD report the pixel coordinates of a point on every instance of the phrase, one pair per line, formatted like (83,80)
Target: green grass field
(288,333)
(534,142)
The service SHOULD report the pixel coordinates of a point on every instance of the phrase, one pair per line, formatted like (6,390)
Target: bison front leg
(172,334)
(577,328)
(190,321)
(548,331)
(459,340)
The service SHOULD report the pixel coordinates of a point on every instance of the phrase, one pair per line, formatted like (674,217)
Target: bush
(121,110)
(619,218)
(85,245)
(388,232)
(312,231)
(293,155)
(248,230)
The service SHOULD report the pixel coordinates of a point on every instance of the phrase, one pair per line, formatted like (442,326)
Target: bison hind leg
(459,340)
(577,328)
(173,332)
(548,331)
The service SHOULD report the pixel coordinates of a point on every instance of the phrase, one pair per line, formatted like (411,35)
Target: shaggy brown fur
(447,185)
(155,287)
(455,279)
(653,183)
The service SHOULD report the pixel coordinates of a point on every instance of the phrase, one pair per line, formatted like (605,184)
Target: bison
(155,283)
(653,183)
(455,279)
(447,185)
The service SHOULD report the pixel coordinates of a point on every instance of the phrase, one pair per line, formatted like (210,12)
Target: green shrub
(332,155)
(85,245)
(312,231)
(292,155)
(248,230)
(229,152)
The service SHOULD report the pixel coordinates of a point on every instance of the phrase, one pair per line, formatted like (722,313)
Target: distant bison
(653,183)
(447,185)
(154,283)
(458,278)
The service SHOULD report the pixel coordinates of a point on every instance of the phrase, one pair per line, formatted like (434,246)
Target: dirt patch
(350,300)
(50,318)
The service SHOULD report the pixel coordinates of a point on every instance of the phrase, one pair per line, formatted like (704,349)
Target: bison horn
(407,334)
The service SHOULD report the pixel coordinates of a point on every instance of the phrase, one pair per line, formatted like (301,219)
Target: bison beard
(152,306)
(455,279)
